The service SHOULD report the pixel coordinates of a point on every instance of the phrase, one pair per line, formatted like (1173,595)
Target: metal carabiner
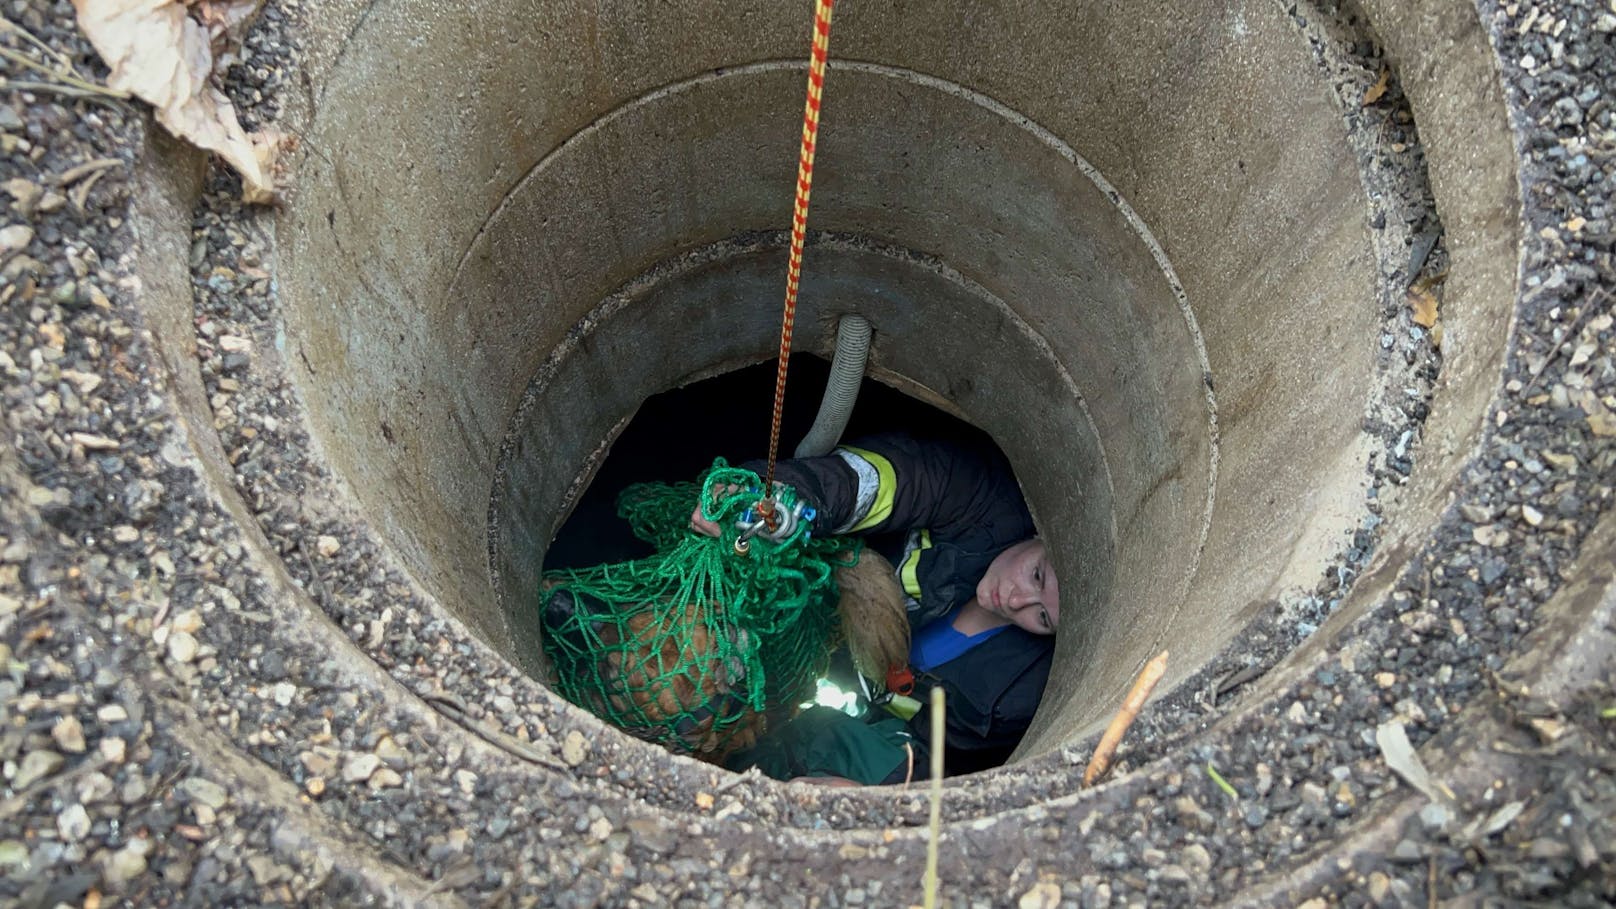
(752,524)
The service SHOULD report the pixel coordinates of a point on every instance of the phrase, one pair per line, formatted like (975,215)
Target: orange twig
(1137,696)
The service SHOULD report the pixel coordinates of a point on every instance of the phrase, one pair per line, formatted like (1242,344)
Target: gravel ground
(184,721)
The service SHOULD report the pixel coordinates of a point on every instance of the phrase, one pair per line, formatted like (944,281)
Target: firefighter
(983,606)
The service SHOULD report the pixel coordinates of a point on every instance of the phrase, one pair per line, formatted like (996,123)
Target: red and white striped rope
(799,232)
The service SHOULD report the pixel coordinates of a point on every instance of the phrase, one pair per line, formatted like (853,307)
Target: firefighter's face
(1020,586)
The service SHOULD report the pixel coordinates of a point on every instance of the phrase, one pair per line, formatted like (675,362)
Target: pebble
(1043,895)
(206,792)
(1175,874)
(113,749)
(385,778)
(127,863)
(1197,859)
(35,765)
(327,546)
(69,735)
(266,871)
(319,761)
(24,193)
(1380,886)
(95,787)
(360,767)
(653,836)
(182,647)
(84,383)
(283,693)
(1434,816)
(574,748)
(73,823)
(15,237)
(391,753)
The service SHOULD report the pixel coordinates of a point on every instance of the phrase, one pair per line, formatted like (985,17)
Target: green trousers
(823,741)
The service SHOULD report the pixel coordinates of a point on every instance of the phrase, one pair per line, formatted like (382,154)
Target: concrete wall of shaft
(1132,244)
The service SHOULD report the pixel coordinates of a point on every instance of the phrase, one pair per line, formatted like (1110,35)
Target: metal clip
(752,524)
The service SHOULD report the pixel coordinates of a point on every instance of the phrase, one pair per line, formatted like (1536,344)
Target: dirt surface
(181,726)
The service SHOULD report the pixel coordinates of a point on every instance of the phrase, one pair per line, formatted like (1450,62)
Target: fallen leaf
(226,19)
(1375,91)
(158,53)
(1423,302)
(1401,757)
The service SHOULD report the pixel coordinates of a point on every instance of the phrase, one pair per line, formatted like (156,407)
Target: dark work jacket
(990,694)
(964,494)
(966,497)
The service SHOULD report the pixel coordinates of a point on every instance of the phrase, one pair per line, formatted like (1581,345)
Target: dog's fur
(645,678)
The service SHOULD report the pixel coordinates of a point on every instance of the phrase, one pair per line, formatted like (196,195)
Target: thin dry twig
(1589,308)
(67,63)
(28,85)
(1143,684)
(496,737)
(936,822)
(67,79)
(80,171)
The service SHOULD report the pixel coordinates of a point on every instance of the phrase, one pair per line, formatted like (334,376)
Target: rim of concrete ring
(1010,116)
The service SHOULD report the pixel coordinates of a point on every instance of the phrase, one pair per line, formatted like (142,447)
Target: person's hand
(710,528)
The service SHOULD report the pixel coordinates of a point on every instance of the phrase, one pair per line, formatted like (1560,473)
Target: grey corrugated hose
(846,372)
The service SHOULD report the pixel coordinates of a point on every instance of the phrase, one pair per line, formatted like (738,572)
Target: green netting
(692,645)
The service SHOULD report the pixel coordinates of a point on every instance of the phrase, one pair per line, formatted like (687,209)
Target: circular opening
(674,436)
(1140,259)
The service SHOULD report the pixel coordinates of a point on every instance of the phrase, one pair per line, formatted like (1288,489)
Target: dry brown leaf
(1374,92)
(225,15)
(227,22)
(163,56)
(1423,302)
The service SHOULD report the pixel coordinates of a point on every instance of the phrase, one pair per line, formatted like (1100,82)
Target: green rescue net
(694,647)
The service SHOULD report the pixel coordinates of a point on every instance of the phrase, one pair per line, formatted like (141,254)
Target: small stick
(79,171)
(1589,308)
(75,82)
(61,58)
(936,796)
(25,85)
(1142,686)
